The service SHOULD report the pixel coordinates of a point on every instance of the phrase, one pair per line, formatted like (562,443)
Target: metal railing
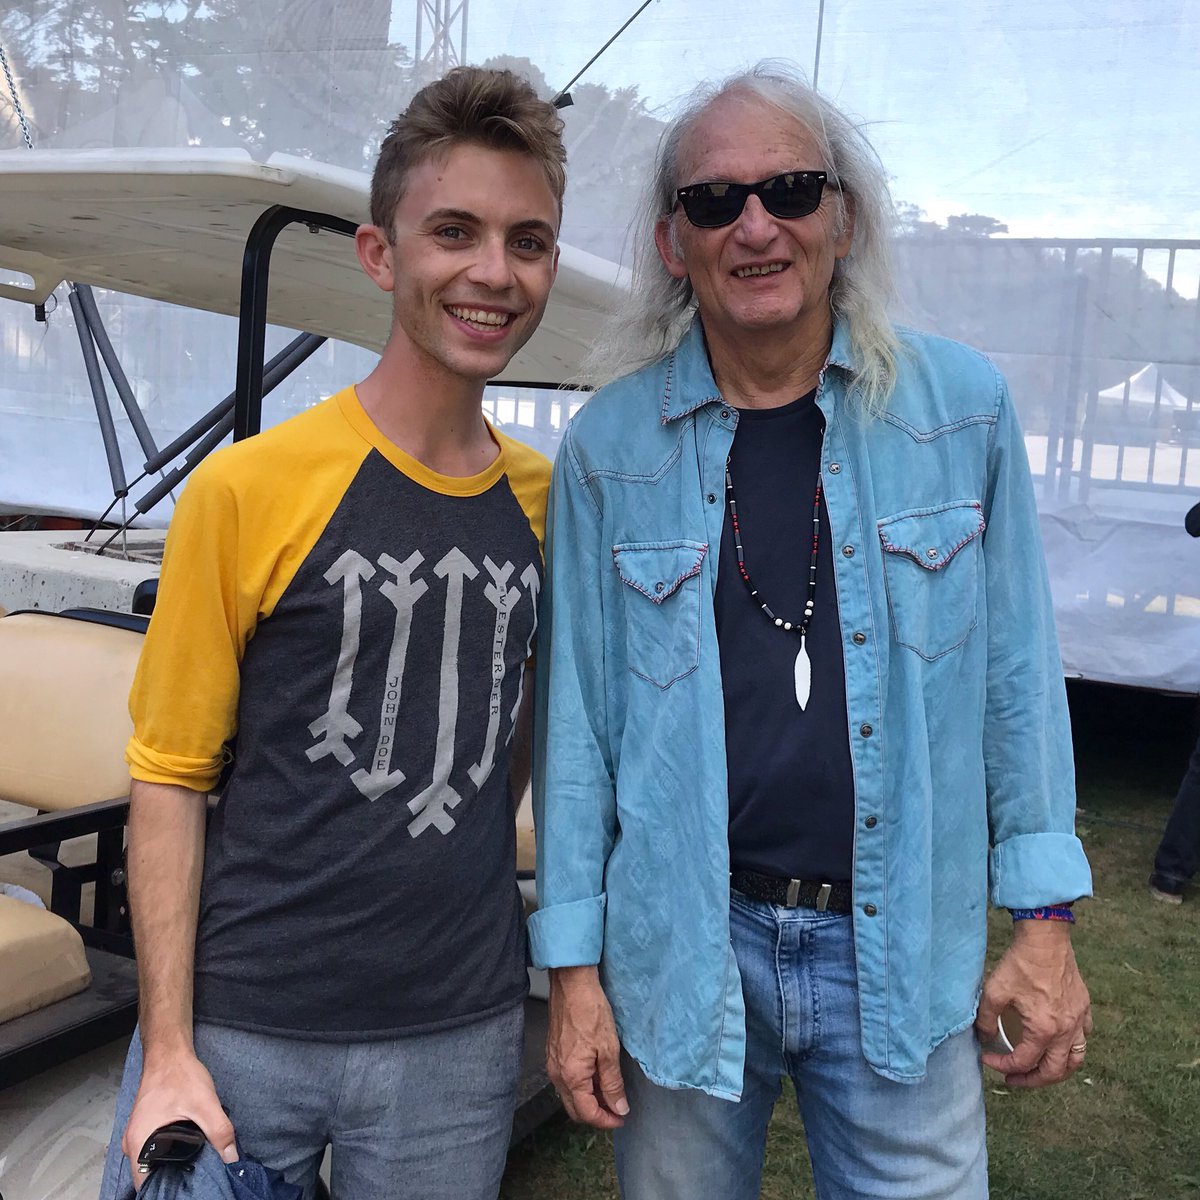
(1077,341)
(1106,309)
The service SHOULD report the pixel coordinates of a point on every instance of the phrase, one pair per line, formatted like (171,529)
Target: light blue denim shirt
(958,723)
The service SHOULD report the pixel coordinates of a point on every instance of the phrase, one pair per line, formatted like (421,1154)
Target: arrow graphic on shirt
(336,725)
(532,579)
(503,598)
(403,591)
(430,806)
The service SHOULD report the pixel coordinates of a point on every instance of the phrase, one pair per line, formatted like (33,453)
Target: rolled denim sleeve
(574,798)
(1036,859)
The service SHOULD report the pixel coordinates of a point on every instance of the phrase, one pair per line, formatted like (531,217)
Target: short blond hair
(471,105)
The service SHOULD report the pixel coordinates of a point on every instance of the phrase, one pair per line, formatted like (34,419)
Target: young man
(352,596)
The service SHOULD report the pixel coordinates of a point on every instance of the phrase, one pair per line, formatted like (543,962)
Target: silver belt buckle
(823,896)
(793,892)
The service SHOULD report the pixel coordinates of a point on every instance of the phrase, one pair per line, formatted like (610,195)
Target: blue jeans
(425,1117)
(1179,851)
(867,1136)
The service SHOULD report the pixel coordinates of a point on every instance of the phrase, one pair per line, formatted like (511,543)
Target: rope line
(562,94)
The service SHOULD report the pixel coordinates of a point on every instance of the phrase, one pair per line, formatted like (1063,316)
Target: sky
(1061,118)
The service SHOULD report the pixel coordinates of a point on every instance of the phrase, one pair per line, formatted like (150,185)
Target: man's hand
(176,1089)
(1039,978)
(583,1054)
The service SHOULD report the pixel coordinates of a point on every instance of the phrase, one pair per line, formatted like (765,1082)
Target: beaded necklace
(803,669)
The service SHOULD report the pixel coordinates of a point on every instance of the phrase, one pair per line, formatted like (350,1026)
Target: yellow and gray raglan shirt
(354,628)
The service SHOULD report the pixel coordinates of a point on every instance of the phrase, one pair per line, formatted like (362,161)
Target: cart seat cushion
(64,715)
(526,849)
(526,841)
(41,958)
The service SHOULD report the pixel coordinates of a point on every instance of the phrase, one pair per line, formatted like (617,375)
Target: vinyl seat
(42,958)
(64,724)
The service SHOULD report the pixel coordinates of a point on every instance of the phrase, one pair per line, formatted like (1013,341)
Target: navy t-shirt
(791,783)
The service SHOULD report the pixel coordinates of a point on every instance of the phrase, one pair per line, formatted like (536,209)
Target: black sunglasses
(792,194)
(177,1144)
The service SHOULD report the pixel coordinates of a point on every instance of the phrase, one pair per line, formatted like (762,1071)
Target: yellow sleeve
(244,524)
(185,691)
(529,477)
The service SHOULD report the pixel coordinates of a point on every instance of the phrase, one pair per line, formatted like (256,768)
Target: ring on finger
(1079,1048)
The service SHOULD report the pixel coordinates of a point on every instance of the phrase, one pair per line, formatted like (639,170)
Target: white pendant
(803,676)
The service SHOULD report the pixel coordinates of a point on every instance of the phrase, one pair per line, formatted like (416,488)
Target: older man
(803,697)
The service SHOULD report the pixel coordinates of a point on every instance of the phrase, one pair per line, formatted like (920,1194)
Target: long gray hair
(652,319)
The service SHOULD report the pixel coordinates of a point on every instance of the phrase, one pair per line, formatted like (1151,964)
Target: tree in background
(312,77)
(912,220)
(526,68)
(974,225)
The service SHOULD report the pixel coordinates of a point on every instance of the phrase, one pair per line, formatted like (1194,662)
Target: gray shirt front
(359,877)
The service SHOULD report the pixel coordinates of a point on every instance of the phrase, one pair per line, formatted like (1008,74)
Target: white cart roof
(172,225)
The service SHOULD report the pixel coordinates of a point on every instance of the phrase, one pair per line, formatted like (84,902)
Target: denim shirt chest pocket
(931,569)
(662,607)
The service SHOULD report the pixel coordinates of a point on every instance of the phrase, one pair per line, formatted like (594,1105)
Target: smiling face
(761,274)
(470,263)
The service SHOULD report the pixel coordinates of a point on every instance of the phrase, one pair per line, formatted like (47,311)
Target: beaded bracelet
(1052,913)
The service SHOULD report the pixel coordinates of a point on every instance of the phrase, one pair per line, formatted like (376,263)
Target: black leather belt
(793,893)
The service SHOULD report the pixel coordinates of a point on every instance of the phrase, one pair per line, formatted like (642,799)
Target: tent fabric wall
(1041,153)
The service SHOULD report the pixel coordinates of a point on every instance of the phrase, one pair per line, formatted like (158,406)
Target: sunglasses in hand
(176,1144)
(787,196)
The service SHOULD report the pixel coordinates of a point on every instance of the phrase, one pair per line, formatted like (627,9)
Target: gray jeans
(426,1117)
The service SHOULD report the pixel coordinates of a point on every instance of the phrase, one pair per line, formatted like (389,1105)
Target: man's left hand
(1038,977)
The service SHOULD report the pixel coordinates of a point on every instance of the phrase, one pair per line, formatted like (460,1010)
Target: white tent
(1020,232)
(1147,389)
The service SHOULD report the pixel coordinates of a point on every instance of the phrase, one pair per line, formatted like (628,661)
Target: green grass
(1127,1126)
